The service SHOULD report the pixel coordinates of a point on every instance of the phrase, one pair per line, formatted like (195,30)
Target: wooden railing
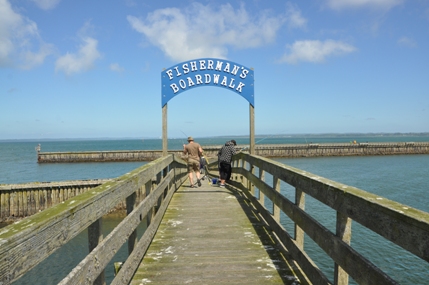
(25,244)
(402,225)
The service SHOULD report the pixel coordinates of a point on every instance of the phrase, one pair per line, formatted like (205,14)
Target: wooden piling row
(22,200)
(282,150)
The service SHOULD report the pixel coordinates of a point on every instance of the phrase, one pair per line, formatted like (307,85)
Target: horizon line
(222,136)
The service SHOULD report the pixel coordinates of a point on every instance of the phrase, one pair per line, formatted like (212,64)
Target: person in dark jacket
(225,156)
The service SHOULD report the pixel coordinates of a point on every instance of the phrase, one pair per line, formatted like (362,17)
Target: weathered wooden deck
(211,235)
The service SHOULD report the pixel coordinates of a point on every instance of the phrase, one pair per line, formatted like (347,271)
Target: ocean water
(402,178)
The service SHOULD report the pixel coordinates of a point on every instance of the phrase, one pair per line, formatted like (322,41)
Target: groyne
(268,150)
(22,200)
(344,149)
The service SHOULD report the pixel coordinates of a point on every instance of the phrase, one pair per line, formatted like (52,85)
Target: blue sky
(92,69)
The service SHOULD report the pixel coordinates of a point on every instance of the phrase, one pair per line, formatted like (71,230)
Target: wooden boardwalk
(210,235)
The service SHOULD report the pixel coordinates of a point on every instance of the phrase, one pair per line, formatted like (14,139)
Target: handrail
(400,224)
(25,244)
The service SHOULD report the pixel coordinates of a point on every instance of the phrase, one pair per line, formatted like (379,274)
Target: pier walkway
(212,235)
(251,232)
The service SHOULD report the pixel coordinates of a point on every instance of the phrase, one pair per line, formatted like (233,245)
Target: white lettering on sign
(174,87)
(202,64)
(170,74)
(189,82)
(216,78)
(208,78)
(219,65)
(210,64)
(228,79)
(185,69)
(244,73)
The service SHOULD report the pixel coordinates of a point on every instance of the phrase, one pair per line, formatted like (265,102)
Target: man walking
(225,156)
(194,152)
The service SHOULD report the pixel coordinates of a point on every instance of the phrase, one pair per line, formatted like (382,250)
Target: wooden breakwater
(268,150)
(22,200)
(343,149)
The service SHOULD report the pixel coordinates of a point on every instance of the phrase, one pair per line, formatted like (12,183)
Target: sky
(92,69)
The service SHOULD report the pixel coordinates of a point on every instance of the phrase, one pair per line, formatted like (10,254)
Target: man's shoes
(199,183)
(222,185)
(193,186)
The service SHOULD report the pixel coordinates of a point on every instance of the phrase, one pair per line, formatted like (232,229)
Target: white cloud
(116,67)
(315,51)
(81,61)
(206,31)
(18,36)
(294,17)
(407,42)
(372,4)
(31,59)
(46,4)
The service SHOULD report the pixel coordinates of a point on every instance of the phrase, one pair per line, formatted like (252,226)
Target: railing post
(151,213)
(164,173)
(261,194)
(300,202)
(132,240)
(344,231)
(234,163)
(250,185)
(240,164)
(95,236)
(158,180)
(276,209)
(244,179)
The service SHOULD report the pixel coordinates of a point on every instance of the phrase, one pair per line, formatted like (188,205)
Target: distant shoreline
(307,136)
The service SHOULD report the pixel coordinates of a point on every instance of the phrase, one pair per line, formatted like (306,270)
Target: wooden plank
(210,235)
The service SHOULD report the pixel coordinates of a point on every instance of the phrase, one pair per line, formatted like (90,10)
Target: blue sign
(207,72)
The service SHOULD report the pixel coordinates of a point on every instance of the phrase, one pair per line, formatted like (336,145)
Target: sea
(402,178)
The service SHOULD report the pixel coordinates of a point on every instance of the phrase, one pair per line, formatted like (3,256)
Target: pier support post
(252,129)
(164,131)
